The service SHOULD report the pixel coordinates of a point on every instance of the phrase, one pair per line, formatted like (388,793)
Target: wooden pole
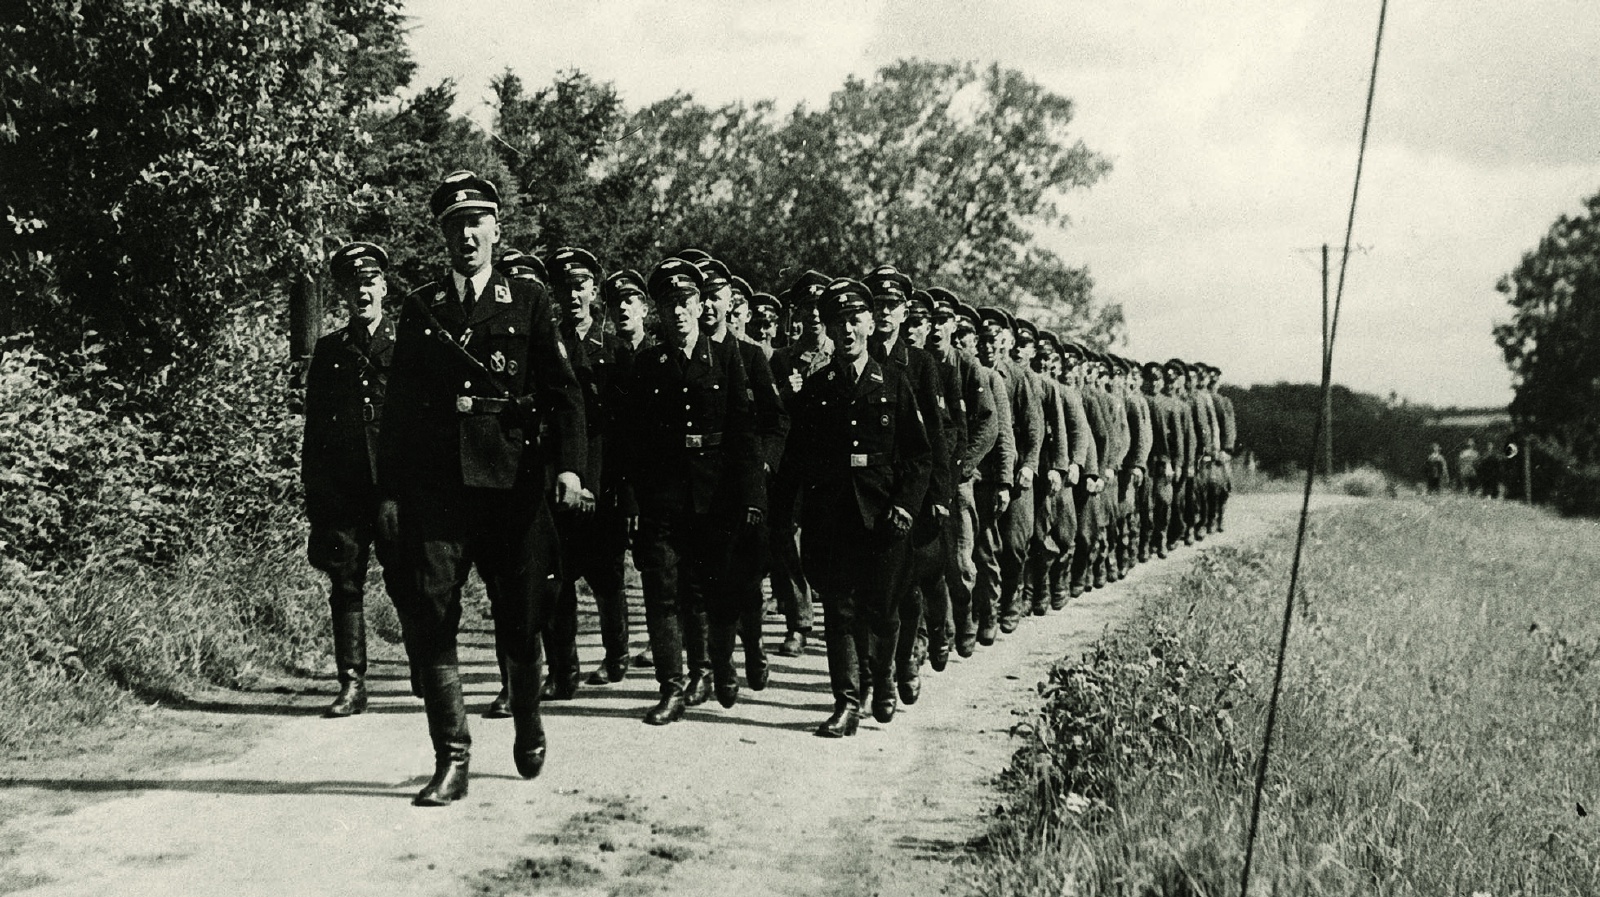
(1327,399)
(305,316)
(1527,469)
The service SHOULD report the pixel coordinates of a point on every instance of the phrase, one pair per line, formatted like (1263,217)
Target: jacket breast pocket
(877,418)
(506,347)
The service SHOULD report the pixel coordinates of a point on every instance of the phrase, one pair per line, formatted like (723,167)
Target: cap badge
(461,196)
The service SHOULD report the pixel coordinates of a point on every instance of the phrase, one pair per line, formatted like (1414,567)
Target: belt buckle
(367,414)
(858,460)
(464,404)
(693,440)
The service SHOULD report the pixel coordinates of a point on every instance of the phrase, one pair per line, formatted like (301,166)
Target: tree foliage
(947,170)
(1552,342)
(161,161)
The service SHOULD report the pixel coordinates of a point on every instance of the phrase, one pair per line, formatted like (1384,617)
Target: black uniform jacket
(690,442)
(594,360)
(865,441)
(344,404)
(922,373)
(772,418)
(467,394)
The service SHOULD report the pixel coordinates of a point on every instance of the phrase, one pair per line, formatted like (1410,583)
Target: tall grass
(222,614)
(1438,732)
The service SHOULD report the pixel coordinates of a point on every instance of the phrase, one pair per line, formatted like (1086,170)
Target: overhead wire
(1311,467)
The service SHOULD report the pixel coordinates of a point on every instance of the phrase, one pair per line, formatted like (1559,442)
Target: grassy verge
(85,648)
(1438,732)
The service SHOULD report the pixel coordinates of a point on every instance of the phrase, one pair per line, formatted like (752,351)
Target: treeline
(1276,424)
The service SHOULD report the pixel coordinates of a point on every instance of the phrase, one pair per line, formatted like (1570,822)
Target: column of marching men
(930,473)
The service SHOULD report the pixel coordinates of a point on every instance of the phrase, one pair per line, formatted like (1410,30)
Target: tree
(950,170)
(1552,342)
(163,162)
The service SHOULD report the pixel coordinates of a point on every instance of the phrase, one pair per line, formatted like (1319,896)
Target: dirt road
(734,802)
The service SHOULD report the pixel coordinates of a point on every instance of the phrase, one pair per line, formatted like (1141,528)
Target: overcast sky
(1232,128)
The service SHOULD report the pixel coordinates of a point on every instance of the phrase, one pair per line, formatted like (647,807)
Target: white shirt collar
(480,281)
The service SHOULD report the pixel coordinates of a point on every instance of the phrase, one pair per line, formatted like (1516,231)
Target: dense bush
(152,551)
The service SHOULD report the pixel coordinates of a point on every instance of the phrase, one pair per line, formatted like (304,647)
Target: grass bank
(1439,731)
(88,646)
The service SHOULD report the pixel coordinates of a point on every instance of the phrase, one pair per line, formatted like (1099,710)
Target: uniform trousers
(986,551)
(683,560)
(961,569)
(1200,498)
(855,570)
(509,535)
(1055,531)
(790,590)
(924,596)
(592,546)
(1144,513)
(749,562)
(1161,498)
(1222,488)
(344,537)
(1178,528)
(1016,532)
(1085,553)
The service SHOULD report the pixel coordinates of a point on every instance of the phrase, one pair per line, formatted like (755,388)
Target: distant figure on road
(1437,470)
(1467,462)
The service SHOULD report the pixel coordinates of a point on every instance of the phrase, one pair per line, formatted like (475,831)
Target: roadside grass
(99,642)
(1439,731)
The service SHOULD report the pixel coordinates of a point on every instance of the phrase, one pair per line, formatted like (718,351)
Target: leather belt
(874,459)
(480,405)
(702,440)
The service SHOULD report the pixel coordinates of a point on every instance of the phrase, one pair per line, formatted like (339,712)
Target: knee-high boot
(447,727)
(528,750)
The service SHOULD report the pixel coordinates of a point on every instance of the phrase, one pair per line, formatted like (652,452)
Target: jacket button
(466,384)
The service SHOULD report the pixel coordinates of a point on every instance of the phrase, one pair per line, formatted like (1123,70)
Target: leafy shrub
(156,550)
(1363,482)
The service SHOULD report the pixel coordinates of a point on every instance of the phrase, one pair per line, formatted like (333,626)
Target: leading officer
(477,366)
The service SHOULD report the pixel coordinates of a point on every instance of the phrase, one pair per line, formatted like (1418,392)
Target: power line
(1311,473)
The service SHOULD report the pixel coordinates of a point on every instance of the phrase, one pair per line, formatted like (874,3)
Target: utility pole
(1527,468)
(1327,399)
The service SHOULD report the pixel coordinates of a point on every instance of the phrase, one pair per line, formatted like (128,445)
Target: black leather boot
(528,750)
(452,743)
(669,709)
(843,723)
(756,668)
(564,676)
(720,640)
(350,652)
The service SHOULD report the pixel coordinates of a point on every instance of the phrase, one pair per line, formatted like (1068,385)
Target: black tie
(468,297)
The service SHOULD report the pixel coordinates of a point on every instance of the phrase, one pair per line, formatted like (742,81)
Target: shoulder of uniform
(336,338)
